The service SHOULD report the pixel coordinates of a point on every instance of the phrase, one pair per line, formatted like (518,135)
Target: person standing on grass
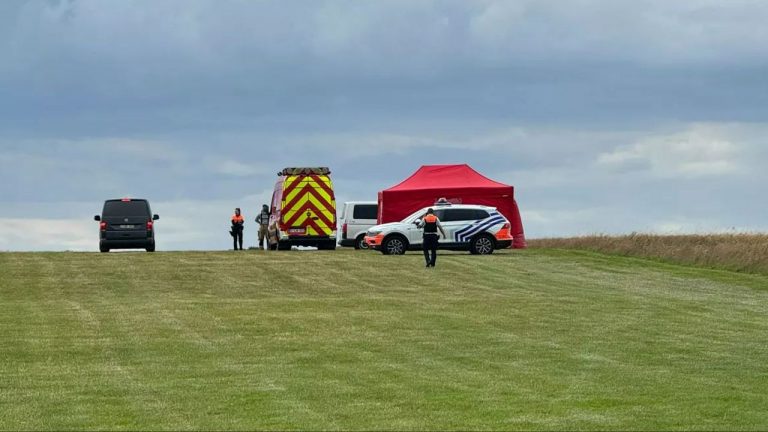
(263,220)
(238,225)
(431,225)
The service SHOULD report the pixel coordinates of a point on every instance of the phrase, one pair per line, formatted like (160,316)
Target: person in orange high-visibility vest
(431,225)
(238,223)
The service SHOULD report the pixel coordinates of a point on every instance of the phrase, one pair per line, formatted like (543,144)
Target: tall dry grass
(738,252)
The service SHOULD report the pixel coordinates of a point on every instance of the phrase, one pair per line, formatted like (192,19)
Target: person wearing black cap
(431,225)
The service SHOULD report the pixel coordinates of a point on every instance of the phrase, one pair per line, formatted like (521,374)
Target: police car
(478,229)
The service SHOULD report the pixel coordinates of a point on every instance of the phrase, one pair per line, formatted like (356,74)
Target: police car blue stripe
(460,232)
(467,228)
(488,224)
(492,214)
(464,234)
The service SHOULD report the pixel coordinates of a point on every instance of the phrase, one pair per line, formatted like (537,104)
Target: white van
(356,218)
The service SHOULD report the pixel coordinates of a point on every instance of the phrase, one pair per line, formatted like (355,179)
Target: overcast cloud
(607,116)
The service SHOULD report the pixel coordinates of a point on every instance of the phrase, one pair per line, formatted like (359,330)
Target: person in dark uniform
(431,225)
(238,224)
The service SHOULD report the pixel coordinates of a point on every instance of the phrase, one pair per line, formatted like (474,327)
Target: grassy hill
(742,252)
(537,339)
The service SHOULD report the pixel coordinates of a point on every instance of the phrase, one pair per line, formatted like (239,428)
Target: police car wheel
(360,242)
(394,246)
(482,245)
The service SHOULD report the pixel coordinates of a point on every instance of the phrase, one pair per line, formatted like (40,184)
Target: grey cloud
(197,101)
(382,37)
(529,60)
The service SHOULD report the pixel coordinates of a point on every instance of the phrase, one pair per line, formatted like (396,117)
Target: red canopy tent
(459,184)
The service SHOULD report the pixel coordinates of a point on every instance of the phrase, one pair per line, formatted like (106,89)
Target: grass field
(536,339)
(739,252)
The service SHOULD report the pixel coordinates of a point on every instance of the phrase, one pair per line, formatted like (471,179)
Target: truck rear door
(309,206)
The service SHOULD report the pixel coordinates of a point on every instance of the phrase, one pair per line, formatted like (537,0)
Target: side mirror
(97,218)
(155,217)
(417,222)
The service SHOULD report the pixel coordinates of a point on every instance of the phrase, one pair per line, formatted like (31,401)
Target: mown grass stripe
(536,339)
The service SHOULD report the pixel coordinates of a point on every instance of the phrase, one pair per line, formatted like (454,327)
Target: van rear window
(126,209)
(366,211)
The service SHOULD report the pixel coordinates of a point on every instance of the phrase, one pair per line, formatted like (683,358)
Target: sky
(608,117)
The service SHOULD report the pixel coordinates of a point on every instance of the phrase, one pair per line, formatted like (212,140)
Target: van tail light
(103,226)
(150,224)
(344,230)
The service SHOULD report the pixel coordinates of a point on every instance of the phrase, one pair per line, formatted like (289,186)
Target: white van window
(365,211)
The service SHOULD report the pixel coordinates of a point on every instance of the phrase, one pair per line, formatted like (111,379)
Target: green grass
(537,339)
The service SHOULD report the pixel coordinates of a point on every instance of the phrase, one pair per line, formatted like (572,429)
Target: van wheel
(482,245)
(360,242)
(103,249)
(150,248)
(283,246)
(395,245)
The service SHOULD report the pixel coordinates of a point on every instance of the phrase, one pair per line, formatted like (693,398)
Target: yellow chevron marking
(308,181)
(289,181)
(289,213)
(310,229)
(327,205)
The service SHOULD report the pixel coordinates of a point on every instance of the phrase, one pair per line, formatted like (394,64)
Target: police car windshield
(415,215)
(421,213)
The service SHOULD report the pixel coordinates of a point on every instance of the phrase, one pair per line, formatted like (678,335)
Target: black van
(126,224)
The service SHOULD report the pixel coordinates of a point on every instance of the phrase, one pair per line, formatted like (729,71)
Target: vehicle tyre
(150,247)
(483,244)
(394,245)
(360,242)
(103,249)
(284,246)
